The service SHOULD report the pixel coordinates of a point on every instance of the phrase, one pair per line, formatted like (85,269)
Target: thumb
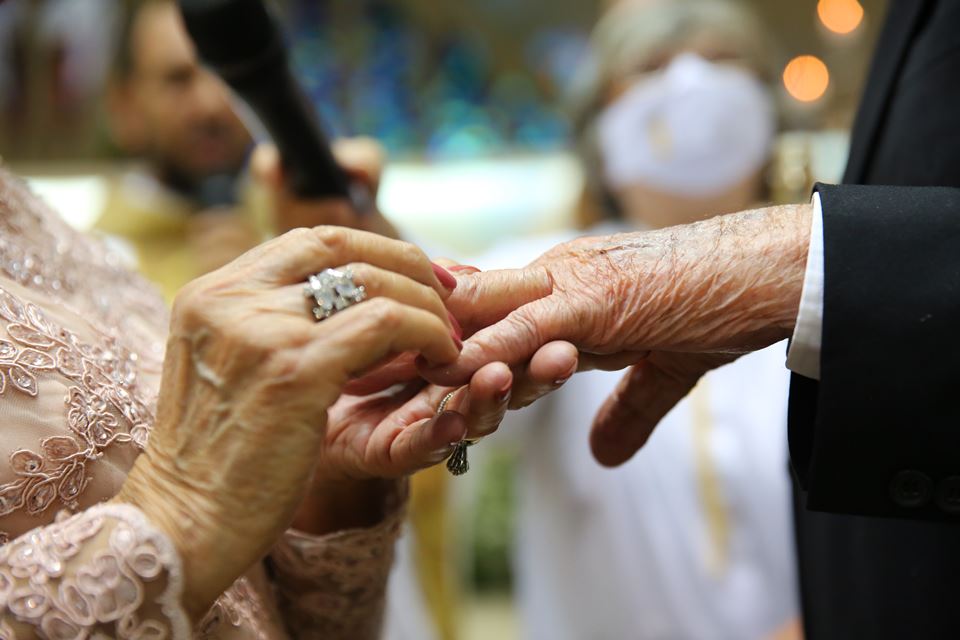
(648,391)
(483,298)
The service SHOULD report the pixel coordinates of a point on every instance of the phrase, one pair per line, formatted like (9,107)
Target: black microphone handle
(309,166)
(242,42)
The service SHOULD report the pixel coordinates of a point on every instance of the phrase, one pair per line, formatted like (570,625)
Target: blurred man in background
(179,210)
(191,207)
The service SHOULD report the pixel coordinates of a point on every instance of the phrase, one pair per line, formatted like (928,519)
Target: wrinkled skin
(242,440)
(675,302)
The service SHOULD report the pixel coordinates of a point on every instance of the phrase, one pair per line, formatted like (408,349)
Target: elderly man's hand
(678,301)
(361,158)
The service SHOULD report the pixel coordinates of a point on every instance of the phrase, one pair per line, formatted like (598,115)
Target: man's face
(184,119)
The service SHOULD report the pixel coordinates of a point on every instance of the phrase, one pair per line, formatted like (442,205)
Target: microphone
(242,42)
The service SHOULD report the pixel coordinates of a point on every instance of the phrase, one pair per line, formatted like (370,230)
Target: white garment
(621,554)
(804,354)
(406,616)
(693,129)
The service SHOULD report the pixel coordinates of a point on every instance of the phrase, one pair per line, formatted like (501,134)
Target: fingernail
(444,276)
(458,330)
(457,341)
(569,374)
(463,267)
(504,393)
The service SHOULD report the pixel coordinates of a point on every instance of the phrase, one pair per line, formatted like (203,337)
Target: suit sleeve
(879,434)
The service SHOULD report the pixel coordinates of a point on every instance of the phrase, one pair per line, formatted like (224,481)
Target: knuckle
(412,253)
(385,313)
(284,366)
(332,240)
(299,235)
(191,306)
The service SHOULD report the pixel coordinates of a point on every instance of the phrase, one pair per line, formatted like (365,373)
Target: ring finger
(376,283)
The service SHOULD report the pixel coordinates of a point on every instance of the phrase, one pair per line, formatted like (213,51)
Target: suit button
(948,495)
(911,488)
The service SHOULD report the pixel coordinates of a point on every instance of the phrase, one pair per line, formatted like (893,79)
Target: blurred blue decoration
(372,71)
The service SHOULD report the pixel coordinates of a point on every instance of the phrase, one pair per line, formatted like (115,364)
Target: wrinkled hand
(248,378)
(551,365)
(371,439)
(679,301)
(361,158)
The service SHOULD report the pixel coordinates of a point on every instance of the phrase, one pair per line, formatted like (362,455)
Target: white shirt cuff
(803,356)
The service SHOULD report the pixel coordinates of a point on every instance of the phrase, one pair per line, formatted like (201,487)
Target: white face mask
(696,128)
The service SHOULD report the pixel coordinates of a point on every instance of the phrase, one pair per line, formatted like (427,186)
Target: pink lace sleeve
(333,587)
(103,571)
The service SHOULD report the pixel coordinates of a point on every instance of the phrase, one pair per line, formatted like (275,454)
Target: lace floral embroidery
(333,586)
(239,607)
(42,584)
(108,403)
(104,386)
(39,251)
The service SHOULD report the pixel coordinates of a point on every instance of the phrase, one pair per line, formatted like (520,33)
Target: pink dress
(81,350)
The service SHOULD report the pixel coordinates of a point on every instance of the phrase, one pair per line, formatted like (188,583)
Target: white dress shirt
(803,357)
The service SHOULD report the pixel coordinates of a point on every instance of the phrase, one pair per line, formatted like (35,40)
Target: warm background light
(806,78)
(840,16)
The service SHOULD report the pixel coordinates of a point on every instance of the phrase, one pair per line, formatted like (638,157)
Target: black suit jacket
(879,434)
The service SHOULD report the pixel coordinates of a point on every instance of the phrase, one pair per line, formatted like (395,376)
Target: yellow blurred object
(715,510)
(806,78)
(434,548)
(172,241)
(840,16)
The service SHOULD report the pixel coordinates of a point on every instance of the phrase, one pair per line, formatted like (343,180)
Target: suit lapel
(903,19)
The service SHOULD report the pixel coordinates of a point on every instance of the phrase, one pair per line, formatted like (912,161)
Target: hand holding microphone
(241,41)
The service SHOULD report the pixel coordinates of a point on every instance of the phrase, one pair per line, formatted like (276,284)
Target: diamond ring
(332,291)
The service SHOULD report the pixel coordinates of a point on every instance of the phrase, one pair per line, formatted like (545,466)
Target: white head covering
(696,128)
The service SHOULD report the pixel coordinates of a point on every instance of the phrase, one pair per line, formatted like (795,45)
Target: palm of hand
(386,435)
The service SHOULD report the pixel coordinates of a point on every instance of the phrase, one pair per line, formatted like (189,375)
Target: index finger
(483,298)
(512,341)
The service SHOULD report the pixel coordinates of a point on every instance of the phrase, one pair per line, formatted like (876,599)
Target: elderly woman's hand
(248,379)
(682,300)
(373,439)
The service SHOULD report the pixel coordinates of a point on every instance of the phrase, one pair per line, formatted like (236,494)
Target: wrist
(337,504)
(776,241)
(747,277)
(783,254)
(200,544)
(761,256)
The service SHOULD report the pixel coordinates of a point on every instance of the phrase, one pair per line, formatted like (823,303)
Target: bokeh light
(806,78)
(840,16)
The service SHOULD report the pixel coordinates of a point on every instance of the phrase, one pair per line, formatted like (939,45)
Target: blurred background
(466,96)
(471,101)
